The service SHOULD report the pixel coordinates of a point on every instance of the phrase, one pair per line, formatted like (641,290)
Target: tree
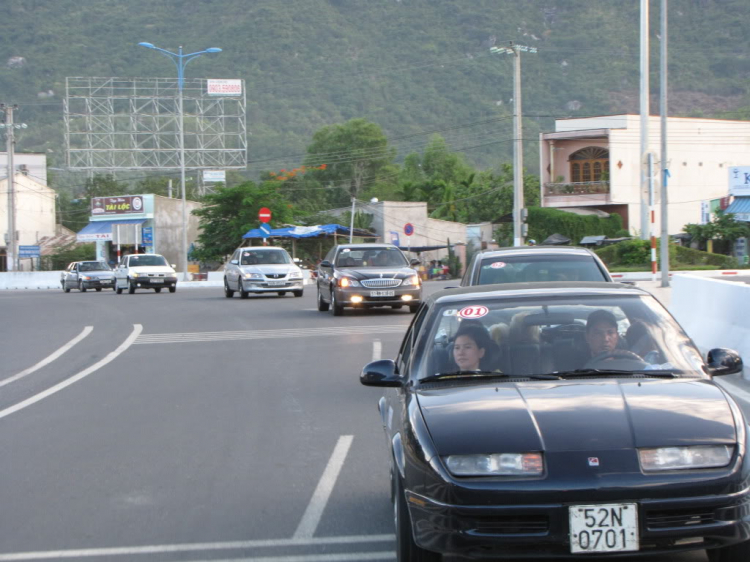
(230,212)
(356,154)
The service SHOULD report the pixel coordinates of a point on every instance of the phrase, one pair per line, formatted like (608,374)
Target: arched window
(589,164)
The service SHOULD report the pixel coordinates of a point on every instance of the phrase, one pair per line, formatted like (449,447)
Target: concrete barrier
(30,280)
(714,312)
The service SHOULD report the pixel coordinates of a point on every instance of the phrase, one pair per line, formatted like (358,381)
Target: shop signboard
(739,181)
(147,235)
(122,205)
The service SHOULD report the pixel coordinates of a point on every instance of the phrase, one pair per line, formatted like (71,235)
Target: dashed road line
(192,337)
(377,350)
(50,358)
(194,547)
(75,378)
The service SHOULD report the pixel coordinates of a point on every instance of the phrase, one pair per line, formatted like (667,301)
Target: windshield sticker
(473,312)
(450,312)
(498,265)
(346,250)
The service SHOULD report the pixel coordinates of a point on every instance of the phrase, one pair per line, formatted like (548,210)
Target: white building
(596,163)
(34,215)
(32,164)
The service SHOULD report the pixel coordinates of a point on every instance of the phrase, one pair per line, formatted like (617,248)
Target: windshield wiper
(485,375)
(595,372)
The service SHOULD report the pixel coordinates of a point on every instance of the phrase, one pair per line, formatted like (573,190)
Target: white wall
(35,162)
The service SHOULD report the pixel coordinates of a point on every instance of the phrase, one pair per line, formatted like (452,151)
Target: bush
(60,259)
(638,253)
(544,222)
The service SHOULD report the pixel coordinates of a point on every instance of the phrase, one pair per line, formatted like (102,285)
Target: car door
(233,270)
(67,275)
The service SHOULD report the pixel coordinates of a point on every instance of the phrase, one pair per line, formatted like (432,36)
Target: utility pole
(351,226)
(644,117)
(664,163)
(518,203)
(10,252)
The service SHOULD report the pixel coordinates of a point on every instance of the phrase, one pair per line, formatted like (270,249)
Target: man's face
(602,337)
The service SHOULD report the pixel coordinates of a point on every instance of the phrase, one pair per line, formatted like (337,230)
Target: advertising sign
(28,252)
(123,205)
(147,235)
(214,176)
(739,180)
(224,87)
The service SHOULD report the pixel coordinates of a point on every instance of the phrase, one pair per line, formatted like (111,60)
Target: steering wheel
(617,359)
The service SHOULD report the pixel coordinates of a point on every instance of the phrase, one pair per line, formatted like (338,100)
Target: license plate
(276,283)
(382,293)
(156,280)
(604,528)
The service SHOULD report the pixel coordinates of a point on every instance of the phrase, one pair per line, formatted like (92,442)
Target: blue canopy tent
(297,232)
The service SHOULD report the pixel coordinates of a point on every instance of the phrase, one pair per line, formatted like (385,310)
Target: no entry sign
(264,215)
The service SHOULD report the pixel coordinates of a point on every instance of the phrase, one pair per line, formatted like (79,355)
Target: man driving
(601,332)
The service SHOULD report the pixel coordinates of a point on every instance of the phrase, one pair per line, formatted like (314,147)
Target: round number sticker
(473,312)
(498,265)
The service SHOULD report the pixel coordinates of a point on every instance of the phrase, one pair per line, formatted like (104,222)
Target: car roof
(556,288)
(366,245)
(571,250)
(261,248)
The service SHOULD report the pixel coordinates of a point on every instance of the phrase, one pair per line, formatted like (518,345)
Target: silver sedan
(262,269)
(83,275)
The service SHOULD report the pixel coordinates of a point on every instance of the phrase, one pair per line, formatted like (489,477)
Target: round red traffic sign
(408,229)
(264,215)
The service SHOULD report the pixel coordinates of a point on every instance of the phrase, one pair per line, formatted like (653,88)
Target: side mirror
(722,361)
(414,262)
(380,373)
(174,266)
(326,263)
(235,262)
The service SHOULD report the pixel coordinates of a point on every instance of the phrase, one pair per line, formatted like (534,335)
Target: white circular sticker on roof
(473,312)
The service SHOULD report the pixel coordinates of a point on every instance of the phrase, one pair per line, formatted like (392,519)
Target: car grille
(155,275)
(511,524)
(275,275)
(381,283)
(679,518)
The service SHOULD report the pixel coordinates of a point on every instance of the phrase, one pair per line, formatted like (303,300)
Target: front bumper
(99,283)
(155,281)
(374,297)
(264,286)
(542,530)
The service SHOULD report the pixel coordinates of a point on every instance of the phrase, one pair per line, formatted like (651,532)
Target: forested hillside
(412,66)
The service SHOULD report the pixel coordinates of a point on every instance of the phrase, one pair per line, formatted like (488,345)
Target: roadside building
(34,215)
(31,164)
(595,162)
(148,223)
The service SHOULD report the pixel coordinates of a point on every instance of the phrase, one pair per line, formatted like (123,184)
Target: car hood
(152,269)
(99,274)
(576,416)
(269,269)
(377,272)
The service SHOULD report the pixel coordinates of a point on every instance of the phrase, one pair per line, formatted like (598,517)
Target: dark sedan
(366,276)
(561,420)
(534,264)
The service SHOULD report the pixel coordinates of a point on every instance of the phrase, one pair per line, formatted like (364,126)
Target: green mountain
(413,66)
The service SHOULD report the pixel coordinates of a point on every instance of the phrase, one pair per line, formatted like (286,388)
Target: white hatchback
(144,271)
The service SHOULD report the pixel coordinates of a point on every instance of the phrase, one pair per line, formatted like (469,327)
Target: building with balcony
(595,164)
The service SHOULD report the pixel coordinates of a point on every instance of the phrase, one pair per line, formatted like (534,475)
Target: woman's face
(466,354)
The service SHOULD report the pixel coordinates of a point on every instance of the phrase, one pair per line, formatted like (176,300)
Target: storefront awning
(740,208)
(102,230)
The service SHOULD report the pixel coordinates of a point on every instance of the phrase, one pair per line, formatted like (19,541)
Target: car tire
(228,293)
(173,288)
(98,289)
(65,287)
(157,289)
(413,308)
(735,553)
(406,548)
(243,293)
(322,305)
(118,290)
(131,287)
(81,287)
(336,309)
(282,293)
(298,293)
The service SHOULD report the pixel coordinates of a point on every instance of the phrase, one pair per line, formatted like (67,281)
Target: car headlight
(348,282)
(85,277)
(411,280)
(503,464)
(295,275)
(134,274)
(253,276)
(683,458)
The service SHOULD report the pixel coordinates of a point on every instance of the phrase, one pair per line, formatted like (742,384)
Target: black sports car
(561,420)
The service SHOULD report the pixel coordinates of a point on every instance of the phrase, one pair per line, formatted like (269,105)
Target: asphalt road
(189,426)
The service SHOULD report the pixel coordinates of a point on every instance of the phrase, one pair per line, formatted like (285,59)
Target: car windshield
(530,268)
(264,257)
(371,257)
(146,260)
(538,335)
(93,266)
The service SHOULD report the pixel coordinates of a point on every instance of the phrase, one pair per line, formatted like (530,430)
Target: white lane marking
(344,556)
(191,547)
(322,493)
(137,328)
(377,350)
(49,359)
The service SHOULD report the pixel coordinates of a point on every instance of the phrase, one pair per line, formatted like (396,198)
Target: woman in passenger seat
(472,348)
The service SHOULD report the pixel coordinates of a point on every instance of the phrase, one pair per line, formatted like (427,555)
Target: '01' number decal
(473,312)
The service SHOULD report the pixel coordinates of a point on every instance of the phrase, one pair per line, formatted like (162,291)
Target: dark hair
(476,332)
(600,316)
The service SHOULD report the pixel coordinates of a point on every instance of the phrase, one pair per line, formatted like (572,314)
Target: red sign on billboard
(264,215)
(126,204)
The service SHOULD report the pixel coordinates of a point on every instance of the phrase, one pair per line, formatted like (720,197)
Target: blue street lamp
(181,60)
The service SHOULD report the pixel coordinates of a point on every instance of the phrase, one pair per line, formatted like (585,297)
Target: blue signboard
(265,228)
(147,235)
(29,252)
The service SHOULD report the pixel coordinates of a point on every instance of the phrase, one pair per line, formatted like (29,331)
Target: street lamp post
(181,60)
